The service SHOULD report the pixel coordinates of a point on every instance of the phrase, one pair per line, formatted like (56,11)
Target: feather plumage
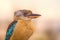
(10,30)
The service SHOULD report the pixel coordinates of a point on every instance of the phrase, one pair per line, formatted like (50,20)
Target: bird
(22,27)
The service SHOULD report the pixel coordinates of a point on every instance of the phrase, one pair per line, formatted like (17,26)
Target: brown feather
(23,30)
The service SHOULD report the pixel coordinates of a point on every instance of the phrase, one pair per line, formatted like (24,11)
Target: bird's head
(25,15)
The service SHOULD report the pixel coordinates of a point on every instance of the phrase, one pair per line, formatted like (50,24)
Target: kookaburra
(22,27)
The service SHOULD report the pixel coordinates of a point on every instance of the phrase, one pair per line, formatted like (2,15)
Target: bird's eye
(29,13)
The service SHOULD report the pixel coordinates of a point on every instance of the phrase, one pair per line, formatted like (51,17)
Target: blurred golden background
(49,9)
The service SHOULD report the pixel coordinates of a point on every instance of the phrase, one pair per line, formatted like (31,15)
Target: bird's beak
(32,16)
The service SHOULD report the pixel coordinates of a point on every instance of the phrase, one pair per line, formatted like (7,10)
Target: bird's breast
(23,30)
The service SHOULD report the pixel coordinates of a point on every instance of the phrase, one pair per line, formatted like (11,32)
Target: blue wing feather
(10,30)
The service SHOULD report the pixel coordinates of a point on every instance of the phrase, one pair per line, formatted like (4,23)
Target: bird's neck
(24,20)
